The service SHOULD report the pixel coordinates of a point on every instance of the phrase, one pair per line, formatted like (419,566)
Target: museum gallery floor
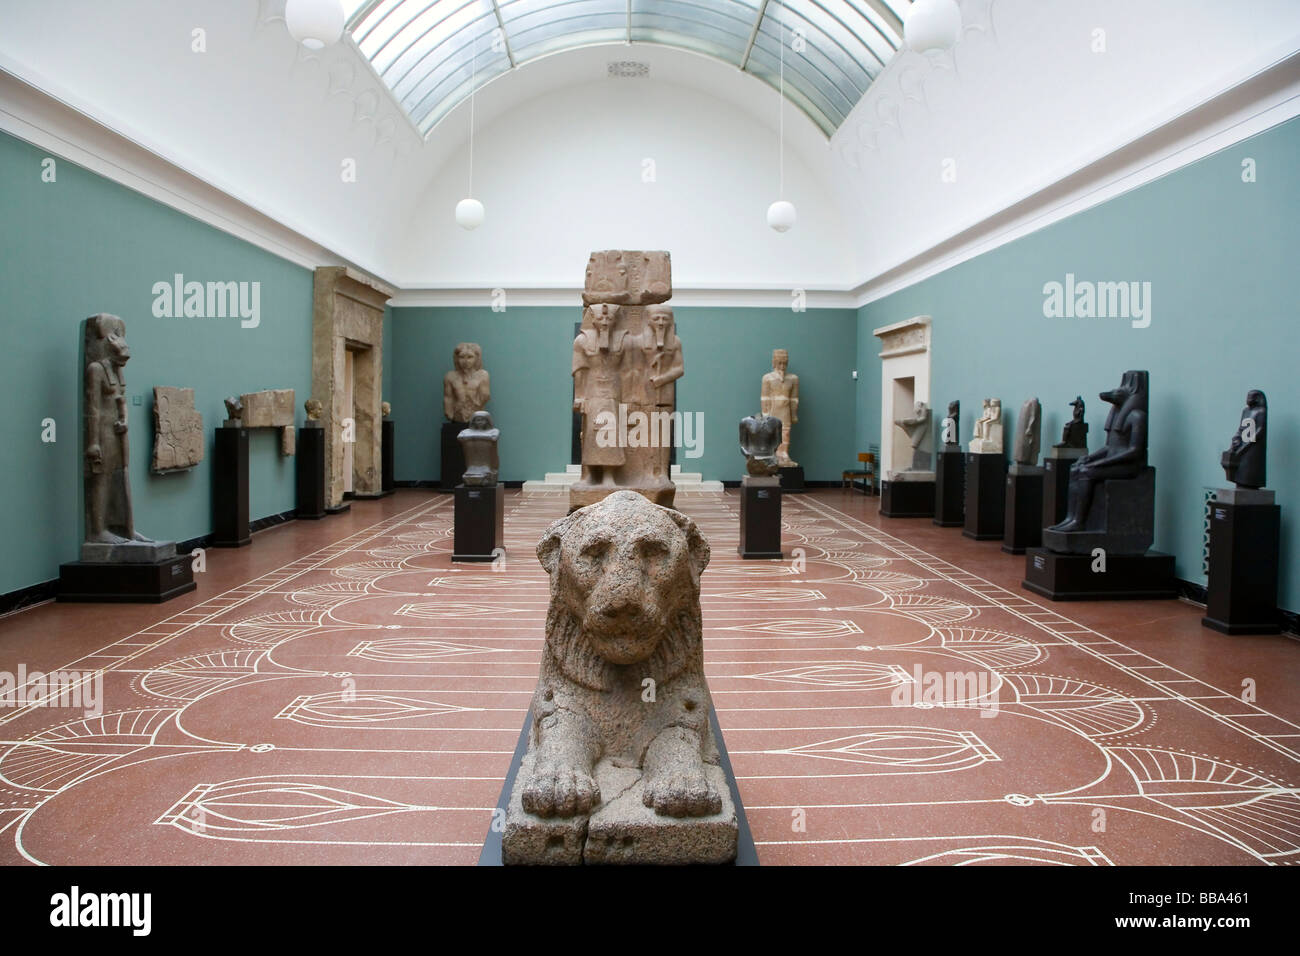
(343,694)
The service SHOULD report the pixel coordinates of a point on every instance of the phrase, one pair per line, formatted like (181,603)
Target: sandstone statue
(780,398)
(622,765)
(478,443)
(918,430)
(988,429)
(627,359)
(467,388)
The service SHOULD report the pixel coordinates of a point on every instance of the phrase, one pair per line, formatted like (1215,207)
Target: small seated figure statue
(478,442)
(760,438)
(1123,456)
(1075,433)
(988,429)
(1245,460)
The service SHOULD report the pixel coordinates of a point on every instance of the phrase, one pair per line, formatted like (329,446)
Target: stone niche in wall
(904,380)
(348,321)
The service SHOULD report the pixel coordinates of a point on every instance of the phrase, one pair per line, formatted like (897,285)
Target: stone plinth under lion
(622,765)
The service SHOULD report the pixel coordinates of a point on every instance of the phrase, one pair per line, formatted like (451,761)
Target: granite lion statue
(621,711)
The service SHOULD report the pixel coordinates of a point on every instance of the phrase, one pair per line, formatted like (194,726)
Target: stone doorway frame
(904,354)
(348,314)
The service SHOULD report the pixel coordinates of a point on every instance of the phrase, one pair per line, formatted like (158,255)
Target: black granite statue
(1245,460)
(1124,456)
(1075,434)
(760,436)
(949,433)
(479,441)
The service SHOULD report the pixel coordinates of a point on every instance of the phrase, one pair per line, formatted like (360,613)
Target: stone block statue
(988,429)
(950,435)
(1244,463)
(1111,501)
(467,388)
(110,519)
(1029,429)
(478,443)
(918,430)
(627,359)
(622,765)
(760,437)
(780,397)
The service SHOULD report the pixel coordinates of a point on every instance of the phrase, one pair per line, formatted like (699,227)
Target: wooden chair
(867,473)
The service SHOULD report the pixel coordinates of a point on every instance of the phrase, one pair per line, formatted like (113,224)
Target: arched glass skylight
(428,51)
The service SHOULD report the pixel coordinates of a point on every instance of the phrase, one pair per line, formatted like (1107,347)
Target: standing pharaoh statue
(467,388)
(597,391)
(780,398)
(660,365)
(110,521)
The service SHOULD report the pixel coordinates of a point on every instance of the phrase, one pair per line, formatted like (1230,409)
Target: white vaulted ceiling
(1019,107)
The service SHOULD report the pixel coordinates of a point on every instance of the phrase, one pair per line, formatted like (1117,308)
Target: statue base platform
(1056,485)
(792,479)
(1024,509)
(909,498)
(311,473)
(1241,593)
(760,518)
(127,583)
(581,495)
(1120,521)
(478,531)
(950,488)
(127,552)
(453,458)
(230,489)
(986,499)
(1070,577)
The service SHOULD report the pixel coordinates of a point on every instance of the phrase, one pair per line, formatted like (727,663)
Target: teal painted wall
(529,352)
(82,245)
(1220,255)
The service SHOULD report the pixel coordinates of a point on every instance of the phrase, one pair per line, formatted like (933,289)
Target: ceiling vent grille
(628,69)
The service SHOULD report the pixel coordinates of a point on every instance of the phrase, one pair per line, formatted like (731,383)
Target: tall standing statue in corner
(627,359)
(780,398)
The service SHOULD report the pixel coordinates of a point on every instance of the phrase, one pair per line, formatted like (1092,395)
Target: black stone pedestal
(760,520)
(986,498)
(478,532)
(907,499)
(453,458)
(1070,577)
(950,489)
(311,473)
(1056,488)
(792,479)
(387,481)
(230,489)
(126,583)
(1024,511)
(1242,588)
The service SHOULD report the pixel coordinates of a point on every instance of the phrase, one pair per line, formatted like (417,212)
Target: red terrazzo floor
(339,692)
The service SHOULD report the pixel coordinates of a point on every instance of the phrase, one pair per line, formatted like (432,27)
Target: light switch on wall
(855,375)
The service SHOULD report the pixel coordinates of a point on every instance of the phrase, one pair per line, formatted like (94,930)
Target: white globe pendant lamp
(314,23)
(469,213)
(932,25)
(781,215)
